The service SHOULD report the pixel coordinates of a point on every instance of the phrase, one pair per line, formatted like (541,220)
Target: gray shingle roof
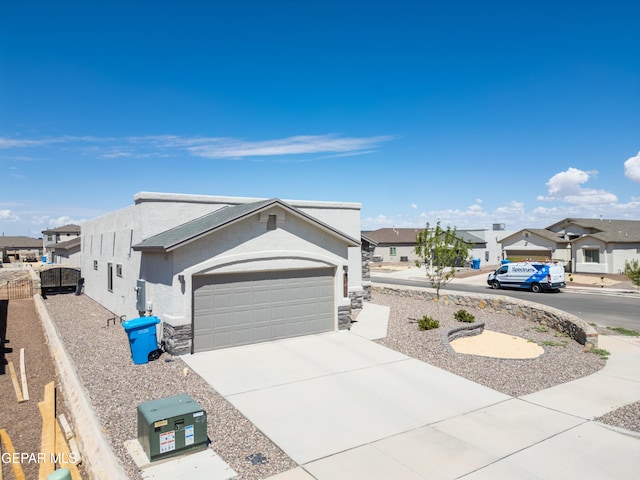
(613,230)
(20,242)
(181,234)
(71,228)
(407,236)
(67,245)
(541,232)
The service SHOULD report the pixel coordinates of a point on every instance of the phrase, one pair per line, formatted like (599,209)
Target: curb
(99,458)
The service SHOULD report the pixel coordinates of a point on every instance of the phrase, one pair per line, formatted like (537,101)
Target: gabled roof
(20,242)
(623,231)
(407,236)
(369,240)
(469,238)
(540,232)
(403,236)
(67,245)
(70,228)
(187,232)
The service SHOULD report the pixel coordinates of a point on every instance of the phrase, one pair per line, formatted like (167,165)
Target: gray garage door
(533,255)
(239,309)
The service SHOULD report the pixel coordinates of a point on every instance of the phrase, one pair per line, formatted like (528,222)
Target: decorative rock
(561,321)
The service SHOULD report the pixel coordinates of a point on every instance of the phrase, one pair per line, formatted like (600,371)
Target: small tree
(441,252)
(632,272)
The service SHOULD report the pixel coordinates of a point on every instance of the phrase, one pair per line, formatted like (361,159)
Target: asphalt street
(606,308)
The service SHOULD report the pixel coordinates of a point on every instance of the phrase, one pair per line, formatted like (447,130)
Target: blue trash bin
(142,338)
(475,264)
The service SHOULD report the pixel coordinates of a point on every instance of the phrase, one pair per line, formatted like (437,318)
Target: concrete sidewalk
(344,407)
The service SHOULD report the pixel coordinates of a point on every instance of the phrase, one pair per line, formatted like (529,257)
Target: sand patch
(497,345)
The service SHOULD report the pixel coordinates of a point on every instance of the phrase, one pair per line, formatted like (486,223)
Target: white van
(534,276)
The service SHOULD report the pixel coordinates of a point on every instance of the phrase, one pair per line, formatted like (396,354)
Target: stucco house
(67,253)
(536,244)
(54,236)
(19,248)
(398,244)
(584,245)
(226,271)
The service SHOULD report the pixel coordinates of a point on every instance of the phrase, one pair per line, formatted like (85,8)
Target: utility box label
(167,441)
(189,435)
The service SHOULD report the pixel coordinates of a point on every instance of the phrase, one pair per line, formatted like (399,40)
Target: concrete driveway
(344,407)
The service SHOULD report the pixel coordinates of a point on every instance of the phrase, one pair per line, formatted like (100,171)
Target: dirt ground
(20,328)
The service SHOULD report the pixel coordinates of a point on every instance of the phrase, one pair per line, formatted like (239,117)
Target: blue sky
(470,112)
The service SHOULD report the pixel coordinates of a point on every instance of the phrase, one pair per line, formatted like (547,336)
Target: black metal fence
(59,280)
(16,289)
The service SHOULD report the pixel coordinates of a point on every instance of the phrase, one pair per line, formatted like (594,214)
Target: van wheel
(536,288)
(495,285)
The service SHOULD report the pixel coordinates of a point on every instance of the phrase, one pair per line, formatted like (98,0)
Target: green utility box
(171,426)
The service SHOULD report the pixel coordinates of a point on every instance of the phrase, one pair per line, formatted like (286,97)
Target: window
(119,269)
(392,250)
(110,276)
(591,255)
(95,264)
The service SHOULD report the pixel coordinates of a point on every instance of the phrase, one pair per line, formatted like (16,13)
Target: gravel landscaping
(563,361)
(116,386)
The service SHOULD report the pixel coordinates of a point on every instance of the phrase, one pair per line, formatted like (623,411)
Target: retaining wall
(559,320)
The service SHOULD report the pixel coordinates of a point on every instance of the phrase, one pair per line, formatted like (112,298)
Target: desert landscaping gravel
(116,386)
(564,359)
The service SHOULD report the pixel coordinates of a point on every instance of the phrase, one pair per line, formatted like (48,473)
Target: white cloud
(414,206)
(511,208)
(38,142)
(632,168)
(302,144)
(566,187)
(328,146)
(9,216)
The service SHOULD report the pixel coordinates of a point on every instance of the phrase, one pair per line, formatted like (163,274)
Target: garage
(521,255)
(243,308)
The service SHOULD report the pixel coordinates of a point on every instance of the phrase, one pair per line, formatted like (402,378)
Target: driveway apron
(346,408)
(319,395)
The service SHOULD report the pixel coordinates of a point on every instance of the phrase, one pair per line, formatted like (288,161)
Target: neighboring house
(54,236)
(398,244)
(225,271)
(21,249)
(67,253)
(600,245)
(536,244)
(584,245)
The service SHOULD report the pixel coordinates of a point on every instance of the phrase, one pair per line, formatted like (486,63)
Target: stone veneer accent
(356,299)
(177,340)
(559,320)
(344,317)
(367,256)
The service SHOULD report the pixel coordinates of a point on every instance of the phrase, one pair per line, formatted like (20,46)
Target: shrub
(464,316)
(602,352)
(427,323)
